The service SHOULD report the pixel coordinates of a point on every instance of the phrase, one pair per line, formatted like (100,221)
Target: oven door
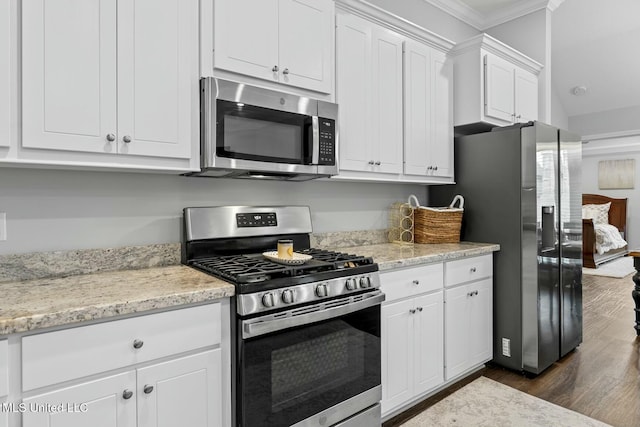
(312,366)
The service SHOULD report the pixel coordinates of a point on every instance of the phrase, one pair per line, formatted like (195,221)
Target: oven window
(293,374)
(261,134)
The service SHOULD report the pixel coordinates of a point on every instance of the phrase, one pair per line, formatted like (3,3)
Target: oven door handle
(256,327)
(315,143)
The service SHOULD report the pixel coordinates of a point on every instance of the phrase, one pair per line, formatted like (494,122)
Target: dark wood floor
(601,378)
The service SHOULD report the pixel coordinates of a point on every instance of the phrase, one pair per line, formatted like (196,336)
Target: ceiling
(593,44)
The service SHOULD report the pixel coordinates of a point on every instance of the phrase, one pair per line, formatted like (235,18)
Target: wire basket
(438,225)
(401,223)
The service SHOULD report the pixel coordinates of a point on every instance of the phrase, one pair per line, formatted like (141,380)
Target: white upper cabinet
(495,83)
(111,76)
(284,41)
(5,73)
(428,108)
(369,93)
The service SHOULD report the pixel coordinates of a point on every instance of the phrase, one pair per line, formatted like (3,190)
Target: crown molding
(395,23)
(481,22)
(490,44)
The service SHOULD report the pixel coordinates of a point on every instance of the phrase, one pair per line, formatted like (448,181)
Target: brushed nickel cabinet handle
(127,394)
(111,137)
(138,344)
(147,389)
(126,139)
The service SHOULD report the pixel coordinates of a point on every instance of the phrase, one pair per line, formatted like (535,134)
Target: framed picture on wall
(616,174)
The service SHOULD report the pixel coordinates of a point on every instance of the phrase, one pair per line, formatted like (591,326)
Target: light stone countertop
(398,255)
(43,303)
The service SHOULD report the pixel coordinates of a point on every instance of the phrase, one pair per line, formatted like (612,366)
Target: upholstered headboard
(617,211)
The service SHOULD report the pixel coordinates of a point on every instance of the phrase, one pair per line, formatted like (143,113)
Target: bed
(597,246)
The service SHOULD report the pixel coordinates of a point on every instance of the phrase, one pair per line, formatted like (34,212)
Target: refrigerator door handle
(548,228)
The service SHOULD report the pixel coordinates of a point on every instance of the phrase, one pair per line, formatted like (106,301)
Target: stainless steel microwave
(253,132)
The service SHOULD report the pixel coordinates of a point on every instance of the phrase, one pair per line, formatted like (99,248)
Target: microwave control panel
(256,220)
(327,141)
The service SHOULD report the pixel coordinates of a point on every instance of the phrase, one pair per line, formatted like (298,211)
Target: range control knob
(351,284)
(268,300)
(288,296)
(365,282)
(322,290)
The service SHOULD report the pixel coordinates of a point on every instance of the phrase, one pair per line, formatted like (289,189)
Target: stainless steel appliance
(253,132)
(306,338)
(522,189)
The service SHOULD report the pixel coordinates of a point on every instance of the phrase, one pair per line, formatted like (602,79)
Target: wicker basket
(438,225)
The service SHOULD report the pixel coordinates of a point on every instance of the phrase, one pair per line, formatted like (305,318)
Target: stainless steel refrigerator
(522,189)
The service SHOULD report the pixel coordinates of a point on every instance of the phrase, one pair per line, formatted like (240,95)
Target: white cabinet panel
(186,392)
(5,73)
(397,354)
(408,282)
(4,368)
(305,41)
(100,403)
(369,93)
(157,76)
(69,74)
(285,41)
(428,121)
(247,43)
(468,269)
(428,371)
(353,91)
(499,88)
(526,96)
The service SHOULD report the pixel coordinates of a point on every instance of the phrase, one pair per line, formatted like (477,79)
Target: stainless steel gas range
(306,337)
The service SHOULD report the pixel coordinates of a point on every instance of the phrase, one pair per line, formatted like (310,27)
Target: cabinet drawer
(53,357)
(411,281)
(468,269)
(4,368)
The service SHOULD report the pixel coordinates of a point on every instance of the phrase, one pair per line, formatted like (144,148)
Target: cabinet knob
(138,344)
(412,311)
(435,168)
(472,269)
(518,117)
(127,394)
(416,282)
(285,71)
(111,137)
(377,163)
(275,69)
(147,389)
(419,308)
(429,168)
(371,162)
(126,139)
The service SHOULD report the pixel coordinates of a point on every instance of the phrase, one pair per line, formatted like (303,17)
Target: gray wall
(611,121)
(63,210)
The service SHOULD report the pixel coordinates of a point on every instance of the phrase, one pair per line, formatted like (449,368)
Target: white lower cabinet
(436,327)
(136,375)
(412,334)
(184,391)
(99,403)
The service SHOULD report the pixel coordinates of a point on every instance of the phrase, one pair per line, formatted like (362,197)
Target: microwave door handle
(315,147)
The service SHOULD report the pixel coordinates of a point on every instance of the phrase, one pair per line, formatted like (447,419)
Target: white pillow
(599,213)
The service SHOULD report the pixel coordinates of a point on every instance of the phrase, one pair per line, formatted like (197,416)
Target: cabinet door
(526,96)
(5,73)
(353,91)
(499,88)
(158,91)
(417,109)
(186,392)
(246,37)
(386,121)
(442,114)
(69,74)
(428,366)
(397,354)
(481,322)
(305,43)
(457,334)
(99,403)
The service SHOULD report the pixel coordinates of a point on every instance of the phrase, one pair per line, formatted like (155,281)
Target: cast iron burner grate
(254,268)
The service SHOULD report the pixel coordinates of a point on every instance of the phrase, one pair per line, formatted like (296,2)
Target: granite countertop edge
(44,303)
